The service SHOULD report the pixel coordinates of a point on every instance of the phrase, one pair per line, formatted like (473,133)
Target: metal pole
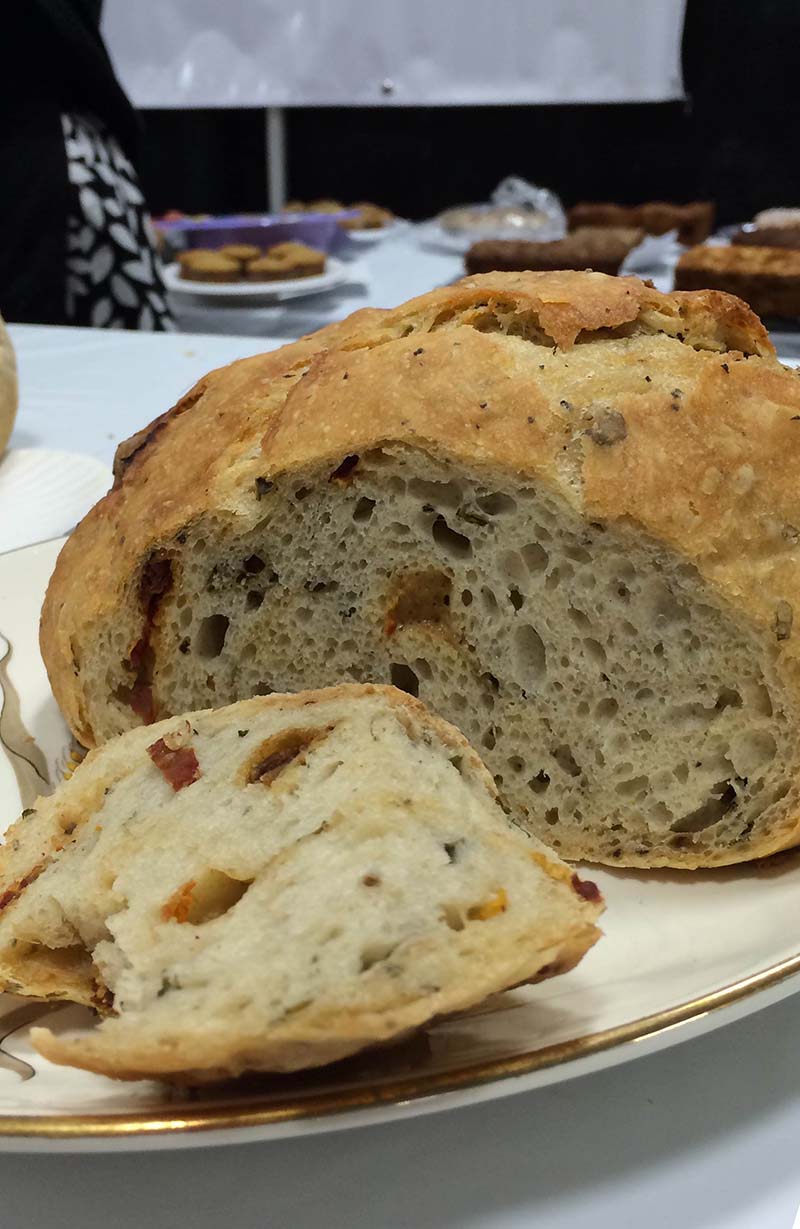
(275,149)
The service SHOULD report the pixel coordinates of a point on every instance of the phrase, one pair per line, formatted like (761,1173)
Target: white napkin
(44,493)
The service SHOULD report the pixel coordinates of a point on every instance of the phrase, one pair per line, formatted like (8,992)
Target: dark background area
(733,140)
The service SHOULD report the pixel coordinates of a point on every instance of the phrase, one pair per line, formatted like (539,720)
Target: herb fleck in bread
(563,508)
(278,884)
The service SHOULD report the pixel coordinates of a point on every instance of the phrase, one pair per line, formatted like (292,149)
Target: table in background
(384,273)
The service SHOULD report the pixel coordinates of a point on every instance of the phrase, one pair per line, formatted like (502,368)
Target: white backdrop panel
(233,53)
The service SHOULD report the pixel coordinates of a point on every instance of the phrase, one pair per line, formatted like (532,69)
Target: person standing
(75,240)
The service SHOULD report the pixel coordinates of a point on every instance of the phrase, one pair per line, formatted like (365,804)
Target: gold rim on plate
(271,1112)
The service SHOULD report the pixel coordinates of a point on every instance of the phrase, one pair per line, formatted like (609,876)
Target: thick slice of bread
(278,884)
(563,508)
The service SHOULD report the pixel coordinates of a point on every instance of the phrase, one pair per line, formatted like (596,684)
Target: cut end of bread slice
(276,885)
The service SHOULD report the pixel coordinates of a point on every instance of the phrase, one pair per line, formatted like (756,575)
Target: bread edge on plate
(351,823)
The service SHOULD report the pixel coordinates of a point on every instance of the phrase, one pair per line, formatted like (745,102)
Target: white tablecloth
(703,1136)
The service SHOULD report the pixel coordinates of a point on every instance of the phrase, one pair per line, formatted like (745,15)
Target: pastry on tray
(561,507)
(368,217)
(241,252)
(768,237)
(286,260)
(693,222)
(602,248)
(206,265)
(778,217)
(276,885)
(325,205)
(768,278)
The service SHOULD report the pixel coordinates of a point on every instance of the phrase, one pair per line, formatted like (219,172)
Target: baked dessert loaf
(767,278)
(768,237)
(561,507)
(602,248)
(285,260)
(693,222)
(278,884)
(205,265)
(778,217)
(8,387)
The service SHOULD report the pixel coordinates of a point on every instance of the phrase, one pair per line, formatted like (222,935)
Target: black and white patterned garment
(114,277)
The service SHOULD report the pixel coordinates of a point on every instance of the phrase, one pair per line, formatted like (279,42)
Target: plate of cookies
(439,677)
(363,221)
(246,271)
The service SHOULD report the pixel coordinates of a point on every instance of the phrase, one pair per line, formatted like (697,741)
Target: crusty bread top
(504,369)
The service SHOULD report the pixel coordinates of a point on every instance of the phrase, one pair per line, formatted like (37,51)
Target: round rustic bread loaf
(8,387)
(562,508)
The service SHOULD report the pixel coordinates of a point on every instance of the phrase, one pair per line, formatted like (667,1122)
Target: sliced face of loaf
(561,508)
(275,885)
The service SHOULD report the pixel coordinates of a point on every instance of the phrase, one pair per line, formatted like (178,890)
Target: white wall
(227,53)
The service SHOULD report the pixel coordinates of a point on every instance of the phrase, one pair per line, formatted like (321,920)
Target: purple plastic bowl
(318,230)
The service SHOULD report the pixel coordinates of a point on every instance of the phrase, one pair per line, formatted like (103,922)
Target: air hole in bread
(254,599)
(452,543)
(634,787)
(516,599)
(497,504)
(489,601)
(201,900)
(580,620)
(539,783)
(276,754)
(566,760)
(438,494)
(375,953)
(363,509)
(344,470)
(418,597)
(578,553)
(722,800)
(595,650)
(535,557)
(404,678)
(211,634)
(529,654)
(513,567)
(453,917)
(71,961)
(453,849)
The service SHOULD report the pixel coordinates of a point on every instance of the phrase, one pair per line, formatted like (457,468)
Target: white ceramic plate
(682,953)
(44,493)
(336,273)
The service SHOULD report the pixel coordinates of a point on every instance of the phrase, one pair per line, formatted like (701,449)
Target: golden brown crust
(317,1041)
(768,278)
(294,407)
